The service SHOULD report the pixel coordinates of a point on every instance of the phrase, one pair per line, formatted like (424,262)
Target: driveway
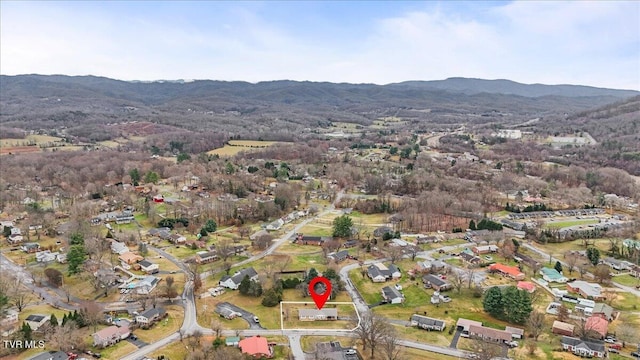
(247,316)
(456,337)
(138,343)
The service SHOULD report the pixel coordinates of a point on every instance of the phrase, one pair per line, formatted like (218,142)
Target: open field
(236,146)
(117,351)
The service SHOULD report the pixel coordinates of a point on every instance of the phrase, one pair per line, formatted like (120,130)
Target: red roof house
(527,286)
(255,346)
(597,325)
(506,270)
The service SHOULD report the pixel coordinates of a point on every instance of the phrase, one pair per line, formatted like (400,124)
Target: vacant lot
(236,146)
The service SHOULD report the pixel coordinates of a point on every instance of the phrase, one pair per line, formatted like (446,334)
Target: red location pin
(320,299)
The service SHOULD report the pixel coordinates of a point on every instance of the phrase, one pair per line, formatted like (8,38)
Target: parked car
(613,350)
(636,354)
(512,344)
(350,352)
(488,258)
(610,340)
(445,298)
(255,318)
(398,286)
(133,337)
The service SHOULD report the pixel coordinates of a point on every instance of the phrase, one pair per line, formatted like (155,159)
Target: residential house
(15,239)
(604,311)
(615,264)
(233,282)
(130,258)
(430,266)
(436,282)
(52,355)
(162,232)
(118,247)
(427,323)
(588,290)
(10,317)
(583,348)
(61,258)
(150,316)
(339,256)
(35,321)
(516,333)
(232,341)
(470,259)
(158,199)
(398,242)
(485,249)
(46,256)
(596,326)
(203,257)
(143,286)
(318,315)
(110,335)
(527,286)
(489,334)
(350,243)
(256,346)
(125,218)
(30,248)
(197,244)
(392,295)
(255,236)
(149,267)
(427,239)
(379,272)
(379,232)
(464,324)
(311,240)
(506,270)
(177,239)
(276,225)
(227,313)
(562,328)
(635,271)
(552,275)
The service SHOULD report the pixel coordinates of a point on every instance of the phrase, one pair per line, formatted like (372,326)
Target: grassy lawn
(454,261)
(568,223)
(370,291)
(314,229)
(559,249)
(626,302)
(117,351)
(441,338)
(164,327)
(627,280)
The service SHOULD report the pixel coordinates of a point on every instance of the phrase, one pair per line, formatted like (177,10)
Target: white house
(36,320)
(379,272)
(150,316)
(46,256)
(148,267)
(110,335)
(392,295)
(118,247)
(318,315)
(276,225)
(233,282)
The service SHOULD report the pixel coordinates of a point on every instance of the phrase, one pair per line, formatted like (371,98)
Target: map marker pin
(320,299)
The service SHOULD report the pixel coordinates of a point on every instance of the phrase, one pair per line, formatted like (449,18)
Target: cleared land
(234,147)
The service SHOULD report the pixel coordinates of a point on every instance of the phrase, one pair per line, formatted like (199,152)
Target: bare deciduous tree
(535,324)
(389,346)
(457,280)
(372,331)
(65,337)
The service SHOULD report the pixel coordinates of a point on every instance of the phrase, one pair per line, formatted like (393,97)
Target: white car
(255,318)
(350,352)
(610,340)
(398,287)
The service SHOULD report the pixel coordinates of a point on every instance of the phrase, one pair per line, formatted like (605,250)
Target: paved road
(50,297)
(296,348)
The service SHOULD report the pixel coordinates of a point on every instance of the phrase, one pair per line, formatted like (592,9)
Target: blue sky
(589,43)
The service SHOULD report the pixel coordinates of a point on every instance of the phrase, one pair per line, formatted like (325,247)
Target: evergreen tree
(342,226)
(53,320)
(65,318)
(594,255)
(245,285)
(75,258)
(558,267)
(472,225)
(516,304)
(493,302)
(255,288)
(313,273)
(135,176)
(27,333)
(210,226)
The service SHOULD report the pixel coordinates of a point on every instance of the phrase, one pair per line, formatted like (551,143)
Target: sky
(594,43)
